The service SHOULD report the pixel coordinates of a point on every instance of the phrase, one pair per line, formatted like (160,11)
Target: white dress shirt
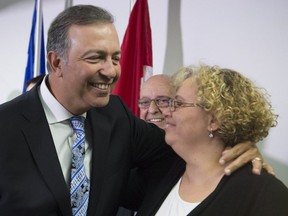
(62,132)
(175,205)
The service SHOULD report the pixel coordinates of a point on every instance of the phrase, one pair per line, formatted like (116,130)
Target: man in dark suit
(83,54)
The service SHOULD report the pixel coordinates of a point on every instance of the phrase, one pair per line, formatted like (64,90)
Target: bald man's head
(157,86)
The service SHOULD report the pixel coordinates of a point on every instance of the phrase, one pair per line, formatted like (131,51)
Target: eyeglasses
(161,102)
(174,104)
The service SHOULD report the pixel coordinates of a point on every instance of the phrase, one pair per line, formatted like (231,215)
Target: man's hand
(241,154)
(269,168)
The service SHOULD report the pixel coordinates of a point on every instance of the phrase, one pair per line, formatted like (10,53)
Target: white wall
(250,36)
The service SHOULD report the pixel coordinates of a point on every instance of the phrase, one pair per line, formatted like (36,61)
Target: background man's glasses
(161,102)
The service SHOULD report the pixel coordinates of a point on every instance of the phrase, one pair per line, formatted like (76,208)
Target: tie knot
(77,123)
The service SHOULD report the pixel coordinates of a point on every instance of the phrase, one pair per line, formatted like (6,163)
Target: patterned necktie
(80,185)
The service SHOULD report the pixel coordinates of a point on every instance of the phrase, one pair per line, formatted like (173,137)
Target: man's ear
(54,62)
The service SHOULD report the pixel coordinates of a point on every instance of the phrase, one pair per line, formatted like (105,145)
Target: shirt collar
(54,111)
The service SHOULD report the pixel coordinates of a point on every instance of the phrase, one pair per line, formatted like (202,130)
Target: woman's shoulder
(244,178)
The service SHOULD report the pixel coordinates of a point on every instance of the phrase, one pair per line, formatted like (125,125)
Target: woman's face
(187,126)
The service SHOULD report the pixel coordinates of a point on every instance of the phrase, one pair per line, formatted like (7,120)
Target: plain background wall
(250,36)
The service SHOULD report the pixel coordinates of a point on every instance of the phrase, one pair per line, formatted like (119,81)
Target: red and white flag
(136,57)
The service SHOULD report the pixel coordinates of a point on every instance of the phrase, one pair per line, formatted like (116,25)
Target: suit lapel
(99,128)
(39,139)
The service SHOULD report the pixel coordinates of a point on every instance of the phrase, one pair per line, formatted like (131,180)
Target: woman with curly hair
(214,108)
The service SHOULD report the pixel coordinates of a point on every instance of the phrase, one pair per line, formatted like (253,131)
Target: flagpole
(68,3)
(38,31)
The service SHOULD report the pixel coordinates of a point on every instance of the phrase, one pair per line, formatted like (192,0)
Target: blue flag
(29,73)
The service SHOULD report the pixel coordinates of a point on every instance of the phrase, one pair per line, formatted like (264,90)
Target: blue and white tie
(79,184)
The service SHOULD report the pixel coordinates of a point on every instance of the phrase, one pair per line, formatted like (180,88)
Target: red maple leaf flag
(136,57)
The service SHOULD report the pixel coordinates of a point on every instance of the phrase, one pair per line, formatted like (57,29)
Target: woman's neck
(203,172)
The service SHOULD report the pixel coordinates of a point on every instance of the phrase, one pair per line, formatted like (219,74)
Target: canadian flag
(136,57)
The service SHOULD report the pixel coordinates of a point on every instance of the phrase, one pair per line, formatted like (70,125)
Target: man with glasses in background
(154,99)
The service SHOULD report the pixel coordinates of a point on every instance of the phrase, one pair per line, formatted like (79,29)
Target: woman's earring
(211,133)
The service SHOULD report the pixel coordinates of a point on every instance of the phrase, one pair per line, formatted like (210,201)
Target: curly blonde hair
(242,109)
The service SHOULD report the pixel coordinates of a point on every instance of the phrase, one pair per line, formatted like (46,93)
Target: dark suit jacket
(241,194)
(31,180)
